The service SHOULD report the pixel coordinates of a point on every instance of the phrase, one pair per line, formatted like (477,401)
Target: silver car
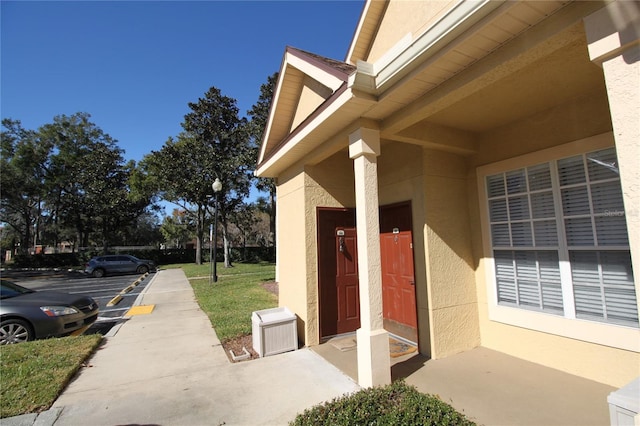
(27,314)
(118,264)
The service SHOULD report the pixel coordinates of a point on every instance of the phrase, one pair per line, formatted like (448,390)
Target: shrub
(396,404)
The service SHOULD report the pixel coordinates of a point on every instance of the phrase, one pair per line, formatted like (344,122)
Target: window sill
(615,336)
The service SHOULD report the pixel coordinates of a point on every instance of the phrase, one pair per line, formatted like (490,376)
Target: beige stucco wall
(292,263)
(449,256)
(312,95)
(402,18)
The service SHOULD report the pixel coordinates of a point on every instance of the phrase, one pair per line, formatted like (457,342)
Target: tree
(23,161)
(68,181)
(87,180)
(244,219)
(259,114)
(176,228)
(214,144)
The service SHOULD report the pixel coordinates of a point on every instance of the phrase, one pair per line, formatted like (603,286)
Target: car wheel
(15,331)
(142,269)
(98,273)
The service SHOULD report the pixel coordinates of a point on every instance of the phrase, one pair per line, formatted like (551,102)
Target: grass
(34,373)
(229,302)
(266,271)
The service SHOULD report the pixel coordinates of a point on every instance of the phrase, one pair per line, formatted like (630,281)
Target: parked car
(28,314)
(118,264)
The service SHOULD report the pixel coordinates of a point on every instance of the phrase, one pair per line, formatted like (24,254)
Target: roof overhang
(370,88)
(407,54)
(295,64)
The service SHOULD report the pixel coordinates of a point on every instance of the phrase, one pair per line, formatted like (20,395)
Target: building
(468,176)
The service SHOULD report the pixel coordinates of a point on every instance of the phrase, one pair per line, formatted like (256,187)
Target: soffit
(285,107)
(503,25)
(554,80)
(523,58)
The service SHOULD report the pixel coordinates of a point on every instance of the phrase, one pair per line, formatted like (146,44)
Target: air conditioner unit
(624,405)
(274,331)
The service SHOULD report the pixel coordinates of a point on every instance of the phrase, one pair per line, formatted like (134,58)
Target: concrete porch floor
(492,388)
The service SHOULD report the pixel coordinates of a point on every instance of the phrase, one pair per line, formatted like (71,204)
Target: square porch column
(614,44)
(374,365)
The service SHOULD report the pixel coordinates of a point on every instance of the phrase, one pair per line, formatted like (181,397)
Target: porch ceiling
(553,80)
(484,80)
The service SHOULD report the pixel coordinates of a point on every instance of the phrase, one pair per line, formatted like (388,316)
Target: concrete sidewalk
(169,368)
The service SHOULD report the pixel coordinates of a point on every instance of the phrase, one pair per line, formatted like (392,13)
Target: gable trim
(329,73)
(320,115)
(401,59)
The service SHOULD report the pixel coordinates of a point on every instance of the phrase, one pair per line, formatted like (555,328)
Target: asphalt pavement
(166,366)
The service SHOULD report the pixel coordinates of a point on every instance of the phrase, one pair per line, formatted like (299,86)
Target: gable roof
(296,64)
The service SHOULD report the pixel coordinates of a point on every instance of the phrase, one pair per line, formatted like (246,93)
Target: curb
(114,330)
(126,290)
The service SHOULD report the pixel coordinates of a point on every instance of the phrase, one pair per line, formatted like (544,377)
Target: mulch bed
(238,343)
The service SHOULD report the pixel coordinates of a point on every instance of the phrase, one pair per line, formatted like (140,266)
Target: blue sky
(134,66)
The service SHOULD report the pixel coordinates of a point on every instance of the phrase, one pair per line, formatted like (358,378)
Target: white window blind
(566,209)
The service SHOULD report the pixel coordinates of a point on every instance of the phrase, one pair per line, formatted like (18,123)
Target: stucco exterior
(456,92)
(450,263)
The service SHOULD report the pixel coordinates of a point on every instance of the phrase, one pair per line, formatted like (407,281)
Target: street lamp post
(216,186)
(210,253)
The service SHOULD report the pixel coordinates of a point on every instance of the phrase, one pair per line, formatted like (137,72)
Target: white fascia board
(314,72)
(272,109)
(304,132)
(356,35)
(405,51)
(431,39)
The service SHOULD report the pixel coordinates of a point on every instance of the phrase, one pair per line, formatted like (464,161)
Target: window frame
(567,325)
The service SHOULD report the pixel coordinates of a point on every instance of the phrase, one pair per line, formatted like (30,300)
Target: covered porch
(492,388)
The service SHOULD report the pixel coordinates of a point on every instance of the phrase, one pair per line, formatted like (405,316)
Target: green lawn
(230,301)
(34,373)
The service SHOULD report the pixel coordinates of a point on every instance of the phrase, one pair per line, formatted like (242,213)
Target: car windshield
(9,289)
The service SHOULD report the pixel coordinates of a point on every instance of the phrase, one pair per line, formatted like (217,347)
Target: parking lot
(103,290)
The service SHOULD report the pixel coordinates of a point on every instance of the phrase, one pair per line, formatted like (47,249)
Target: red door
(347,280)
(339,311)
(398,278)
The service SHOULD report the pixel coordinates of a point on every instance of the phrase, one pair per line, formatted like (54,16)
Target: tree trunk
(26,237)
(199,234)
(227,247)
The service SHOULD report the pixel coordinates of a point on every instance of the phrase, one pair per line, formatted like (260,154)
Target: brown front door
(398,278)
(336,272)
(347,280)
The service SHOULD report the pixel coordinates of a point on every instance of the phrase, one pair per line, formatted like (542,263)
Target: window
(559,239)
